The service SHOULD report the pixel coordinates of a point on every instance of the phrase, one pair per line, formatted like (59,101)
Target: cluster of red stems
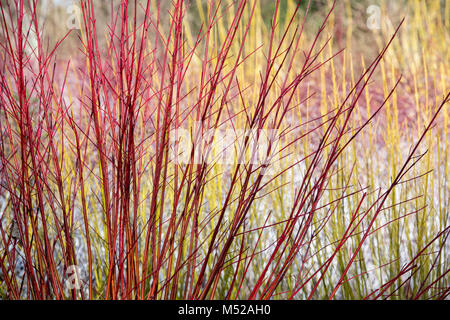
(39,129)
